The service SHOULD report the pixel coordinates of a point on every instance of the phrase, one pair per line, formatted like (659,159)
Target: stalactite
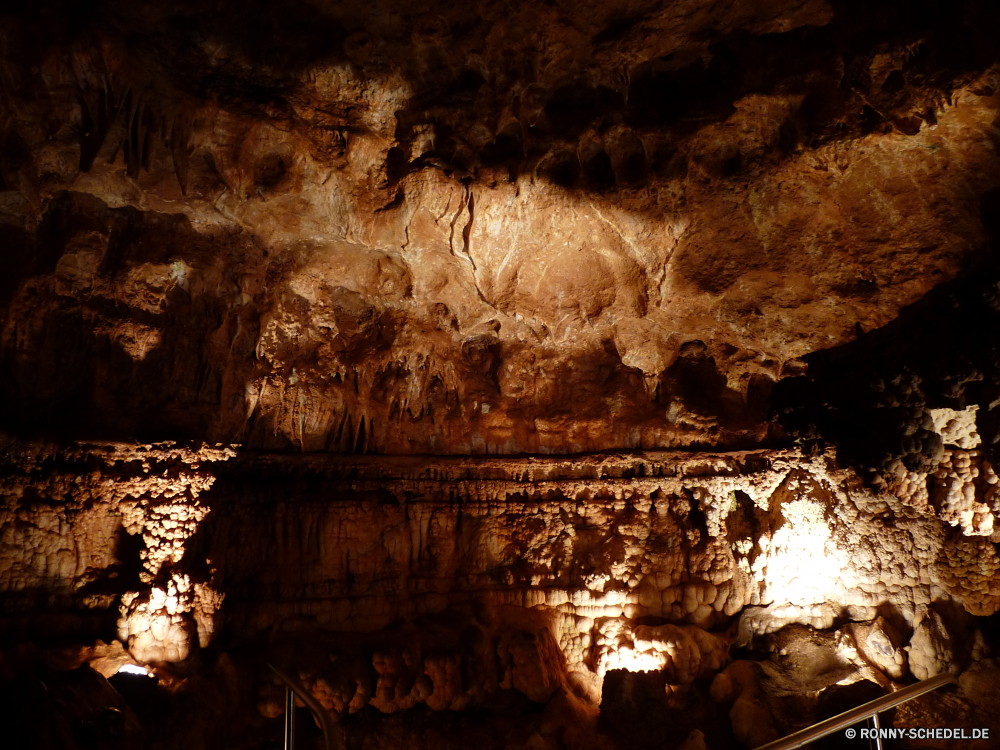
(101,110)
(134,131)
(181,149)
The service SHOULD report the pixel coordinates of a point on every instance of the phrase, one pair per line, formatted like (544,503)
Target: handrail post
(289,719)
(297,689)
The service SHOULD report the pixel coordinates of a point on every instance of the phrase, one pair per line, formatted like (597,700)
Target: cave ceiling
(461,228)
(533,374)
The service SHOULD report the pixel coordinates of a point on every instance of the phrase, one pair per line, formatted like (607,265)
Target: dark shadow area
(111,360)
(142,693)
(870,398)
(252,57)
(46,709)
(637,709)
(836,700)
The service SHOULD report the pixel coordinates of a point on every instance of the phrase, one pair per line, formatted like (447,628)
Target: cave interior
(543,375)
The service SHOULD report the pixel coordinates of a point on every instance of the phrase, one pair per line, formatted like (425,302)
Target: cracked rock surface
(396,229)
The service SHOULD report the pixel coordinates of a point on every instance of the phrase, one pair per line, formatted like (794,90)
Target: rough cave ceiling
(731,266)
(471,229)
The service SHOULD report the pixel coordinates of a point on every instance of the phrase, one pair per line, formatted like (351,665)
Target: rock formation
(523,375)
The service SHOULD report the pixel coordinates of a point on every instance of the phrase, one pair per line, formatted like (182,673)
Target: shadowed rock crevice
(876,397)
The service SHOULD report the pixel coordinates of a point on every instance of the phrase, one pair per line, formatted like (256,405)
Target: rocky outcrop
(401,234)
(391,583)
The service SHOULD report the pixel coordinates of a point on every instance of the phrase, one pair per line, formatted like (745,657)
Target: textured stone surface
(393,582)
(389,230)
(746,250)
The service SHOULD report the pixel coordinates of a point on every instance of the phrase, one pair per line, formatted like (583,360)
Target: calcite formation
(526,375)
(392,583)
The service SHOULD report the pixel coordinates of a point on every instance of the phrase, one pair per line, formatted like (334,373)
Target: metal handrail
(798,739)
(855,715)
(322,715)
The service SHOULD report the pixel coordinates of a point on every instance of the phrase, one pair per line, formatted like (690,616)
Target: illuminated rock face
(638,363)
(403,242)
(398,582)
(78,549)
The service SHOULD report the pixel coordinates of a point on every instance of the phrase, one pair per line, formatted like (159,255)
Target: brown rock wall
(358,254)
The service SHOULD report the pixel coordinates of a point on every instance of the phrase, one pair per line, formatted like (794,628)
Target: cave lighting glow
(805,565)
(635,661)
(133,669)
